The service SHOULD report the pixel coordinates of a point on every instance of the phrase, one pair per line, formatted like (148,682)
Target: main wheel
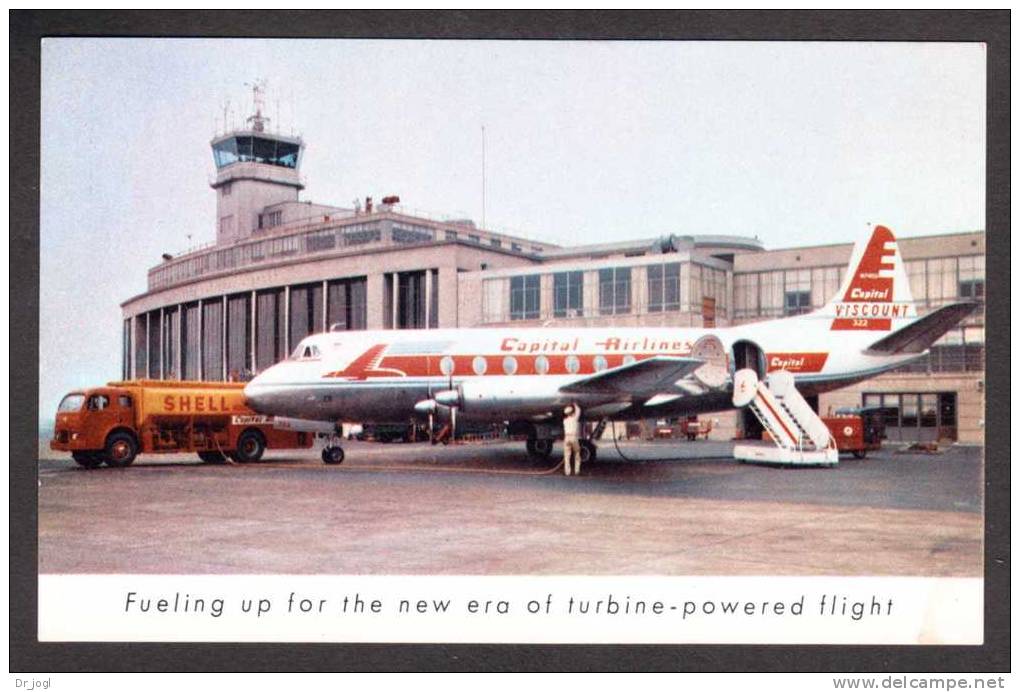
(250,447)
(539,448)
(212,457)
(89,460)
(332,455)
(589,451)
(121,450)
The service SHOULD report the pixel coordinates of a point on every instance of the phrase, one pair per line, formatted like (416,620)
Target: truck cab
(97,425)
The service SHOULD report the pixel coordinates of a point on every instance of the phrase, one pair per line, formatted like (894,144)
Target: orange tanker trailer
(113,424)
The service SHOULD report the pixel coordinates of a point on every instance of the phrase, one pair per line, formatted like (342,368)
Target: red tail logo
(868,302)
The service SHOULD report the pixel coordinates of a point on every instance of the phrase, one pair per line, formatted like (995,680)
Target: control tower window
(256,150)
(225,152)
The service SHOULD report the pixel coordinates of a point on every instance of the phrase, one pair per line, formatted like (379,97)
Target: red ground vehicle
(115,423)
(856,431)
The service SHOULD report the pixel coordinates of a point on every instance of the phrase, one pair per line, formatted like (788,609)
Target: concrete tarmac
(669,508)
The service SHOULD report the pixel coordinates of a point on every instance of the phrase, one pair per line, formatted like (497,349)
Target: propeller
(448,398)
(453,409)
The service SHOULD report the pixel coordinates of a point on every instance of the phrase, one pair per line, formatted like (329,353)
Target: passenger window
(98,402)
(124,401)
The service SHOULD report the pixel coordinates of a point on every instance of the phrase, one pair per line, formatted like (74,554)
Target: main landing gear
(333,453)
(539,448)
(542,447)
(589,452)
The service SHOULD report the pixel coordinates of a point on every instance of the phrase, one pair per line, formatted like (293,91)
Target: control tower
(254,170)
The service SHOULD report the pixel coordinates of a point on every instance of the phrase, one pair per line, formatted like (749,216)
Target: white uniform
(571,446)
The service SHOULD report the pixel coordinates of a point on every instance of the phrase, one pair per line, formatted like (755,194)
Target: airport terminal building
(282,268)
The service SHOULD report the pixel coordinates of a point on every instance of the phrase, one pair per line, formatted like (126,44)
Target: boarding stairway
(799,436)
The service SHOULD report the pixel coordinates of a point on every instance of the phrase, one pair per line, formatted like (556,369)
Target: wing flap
(641,378)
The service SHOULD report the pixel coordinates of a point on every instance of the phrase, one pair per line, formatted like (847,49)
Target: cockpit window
(305,352)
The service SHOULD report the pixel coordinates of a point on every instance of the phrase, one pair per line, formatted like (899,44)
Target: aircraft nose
(258,396)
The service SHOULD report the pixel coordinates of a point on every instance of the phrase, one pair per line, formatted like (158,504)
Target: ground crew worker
(571,447)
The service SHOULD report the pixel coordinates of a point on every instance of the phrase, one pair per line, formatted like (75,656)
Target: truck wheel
(212,457)
(860,453)
(89,460)
(250,447)
(332,455)
(121,450)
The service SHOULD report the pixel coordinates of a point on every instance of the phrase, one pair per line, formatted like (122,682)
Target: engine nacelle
(500,396)
(715,372)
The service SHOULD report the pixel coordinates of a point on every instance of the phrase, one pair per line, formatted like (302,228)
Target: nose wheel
(333,455)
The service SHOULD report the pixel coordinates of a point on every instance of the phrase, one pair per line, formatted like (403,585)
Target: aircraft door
(747,354)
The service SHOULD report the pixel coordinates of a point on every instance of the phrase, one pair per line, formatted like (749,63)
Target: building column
(201,342)
(162,341)
(179,356)
(449,297)
(428,297)
(254,331)
(325,305)
(223,340)
(148,344)
(286,321)
(395,312)
(374,294)
(132,348)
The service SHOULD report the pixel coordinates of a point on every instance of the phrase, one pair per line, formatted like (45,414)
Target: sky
(795,143)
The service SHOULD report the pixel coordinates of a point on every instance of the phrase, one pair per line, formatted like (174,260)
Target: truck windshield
(71,402)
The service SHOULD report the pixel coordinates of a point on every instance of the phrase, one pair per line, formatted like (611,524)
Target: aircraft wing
(641,378)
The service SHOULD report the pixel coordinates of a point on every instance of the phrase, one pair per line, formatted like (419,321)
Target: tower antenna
(258,89)
(226,114)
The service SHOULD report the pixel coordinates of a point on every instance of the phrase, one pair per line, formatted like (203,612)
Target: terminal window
(568,300)
(972,289)
(915,416)
(525,295)
(664,287)
(797,302)
(614,290)
(347,306)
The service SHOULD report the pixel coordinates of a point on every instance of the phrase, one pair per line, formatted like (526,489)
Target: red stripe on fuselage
(364,366)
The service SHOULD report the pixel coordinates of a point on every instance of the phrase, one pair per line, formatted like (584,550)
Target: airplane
(526,376)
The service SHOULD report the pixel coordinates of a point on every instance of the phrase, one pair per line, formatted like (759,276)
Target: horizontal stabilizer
(643,377)
(919,335)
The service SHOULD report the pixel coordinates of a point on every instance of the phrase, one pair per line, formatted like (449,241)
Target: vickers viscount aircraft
(525,376)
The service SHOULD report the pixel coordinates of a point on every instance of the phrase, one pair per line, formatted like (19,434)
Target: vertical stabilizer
(875,291)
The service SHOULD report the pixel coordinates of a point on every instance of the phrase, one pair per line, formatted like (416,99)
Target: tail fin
(875,290)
